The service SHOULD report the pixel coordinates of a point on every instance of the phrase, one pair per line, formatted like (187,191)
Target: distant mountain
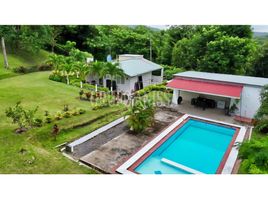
(260,34)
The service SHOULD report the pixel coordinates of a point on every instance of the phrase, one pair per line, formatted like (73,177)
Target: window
(157,72)
(120,80)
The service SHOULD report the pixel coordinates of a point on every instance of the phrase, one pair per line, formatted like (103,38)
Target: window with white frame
(120,80)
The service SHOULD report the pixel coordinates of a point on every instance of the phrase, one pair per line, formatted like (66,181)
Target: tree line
(229,49)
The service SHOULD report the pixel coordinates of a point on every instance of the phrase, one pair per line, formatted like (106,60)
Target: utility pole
(150,49)
(4,52)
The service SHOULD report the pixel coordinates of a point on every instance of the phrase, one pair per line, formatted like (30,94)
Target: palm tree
(56,61)
(83,72)
(67,68)
(96,69)
(141,115)
(114,70)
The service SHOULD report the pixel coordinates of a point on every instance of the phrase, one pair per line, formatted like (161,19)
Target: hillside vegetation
(21,58)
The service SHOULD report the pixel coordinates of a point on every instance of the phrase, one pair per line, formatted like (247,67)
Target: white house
(225,89)
(139,73)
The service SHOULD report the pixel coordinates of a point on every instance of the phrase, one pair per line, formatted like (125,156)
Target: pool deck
(215,113)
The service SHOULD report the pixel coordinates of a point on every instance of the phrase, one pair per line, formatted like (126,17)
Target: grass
(21,59)
(40,155)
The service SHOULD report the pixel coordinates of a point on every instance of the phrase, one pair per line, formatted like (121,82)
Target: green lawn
(41,156)
(21,59)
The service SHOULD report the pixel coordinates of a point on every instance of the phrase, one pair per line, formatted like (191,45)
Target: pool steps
(180,166)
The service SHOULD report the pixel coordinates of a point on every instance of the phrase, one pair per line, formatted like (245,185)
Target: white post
(175,96)
(96,87)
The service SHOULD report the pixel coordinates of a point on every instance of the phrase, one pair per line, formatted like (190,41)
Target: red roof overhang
(207,87)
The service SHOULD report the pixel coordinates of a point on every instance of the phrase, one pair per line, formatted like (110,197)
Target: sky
(256,28)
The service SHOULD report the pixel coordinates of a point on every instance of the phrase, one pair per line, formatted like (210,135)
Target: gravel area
(99,140)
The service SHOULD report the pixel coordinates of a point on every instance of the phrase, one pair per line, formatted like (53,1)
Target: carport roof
(207,87)
(245,80)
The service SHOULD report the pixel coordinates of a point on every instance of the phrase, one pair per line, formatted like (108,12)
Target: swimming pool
(190,146)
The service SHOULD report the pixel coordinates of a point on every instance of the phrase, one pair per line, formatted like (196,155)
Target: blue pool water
(197,145)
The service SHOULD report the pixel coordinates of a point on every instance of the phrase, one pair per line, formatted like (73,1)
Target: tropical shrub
(81,92)
(48,119)
(16,113)
(101,105)
(255,156)
(58,115)
(37,122)
(29,116)
(141,115)
(24,118)
(82,111)
(156,87)
(25,70)
(67,114)
(262,126)
(56,77)
(44,67)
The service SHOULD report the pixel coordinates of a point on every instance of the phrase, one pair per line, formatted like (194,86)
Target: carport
(225,94)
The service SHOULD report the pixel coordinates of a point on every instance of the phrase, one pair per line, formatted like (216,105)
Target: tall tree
(230,55)
(261,66)
(54,33)
(4,52)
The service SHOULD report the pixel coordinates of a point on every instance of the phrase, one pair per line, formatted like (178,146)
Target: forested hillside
(231,49)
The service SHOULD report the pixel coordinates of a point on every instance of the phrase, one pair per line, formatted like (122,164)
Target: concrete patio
(211,113)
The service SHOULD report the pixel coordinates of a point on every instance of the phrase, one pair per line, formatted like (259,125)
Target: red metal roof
(206,87)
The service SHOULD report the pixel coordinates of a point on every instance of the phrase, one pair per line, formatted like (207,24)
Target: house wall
(125,88)
(130,82)
(92,78)
(158,79)
(250,101)
(147,79)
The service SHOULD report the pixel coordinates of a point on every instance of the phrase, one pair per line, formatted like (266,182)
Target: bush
(75,112)
(37,122)
(255,156)
(92,87)
(262,126)
(101,105)
(81,92)
(81,111)
(44,67)
(169,71)
(58,116)
(48,119)
(56,77)
(141,115)
(157,87)
(88,95)
(67,114)
(25,70)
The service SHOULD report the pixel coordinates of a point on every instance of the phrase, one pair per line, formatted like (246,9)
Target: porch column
(175,96)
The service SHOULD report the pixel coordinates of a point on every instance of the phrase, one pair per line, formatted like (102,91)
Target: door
(109,84)
(140,82)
